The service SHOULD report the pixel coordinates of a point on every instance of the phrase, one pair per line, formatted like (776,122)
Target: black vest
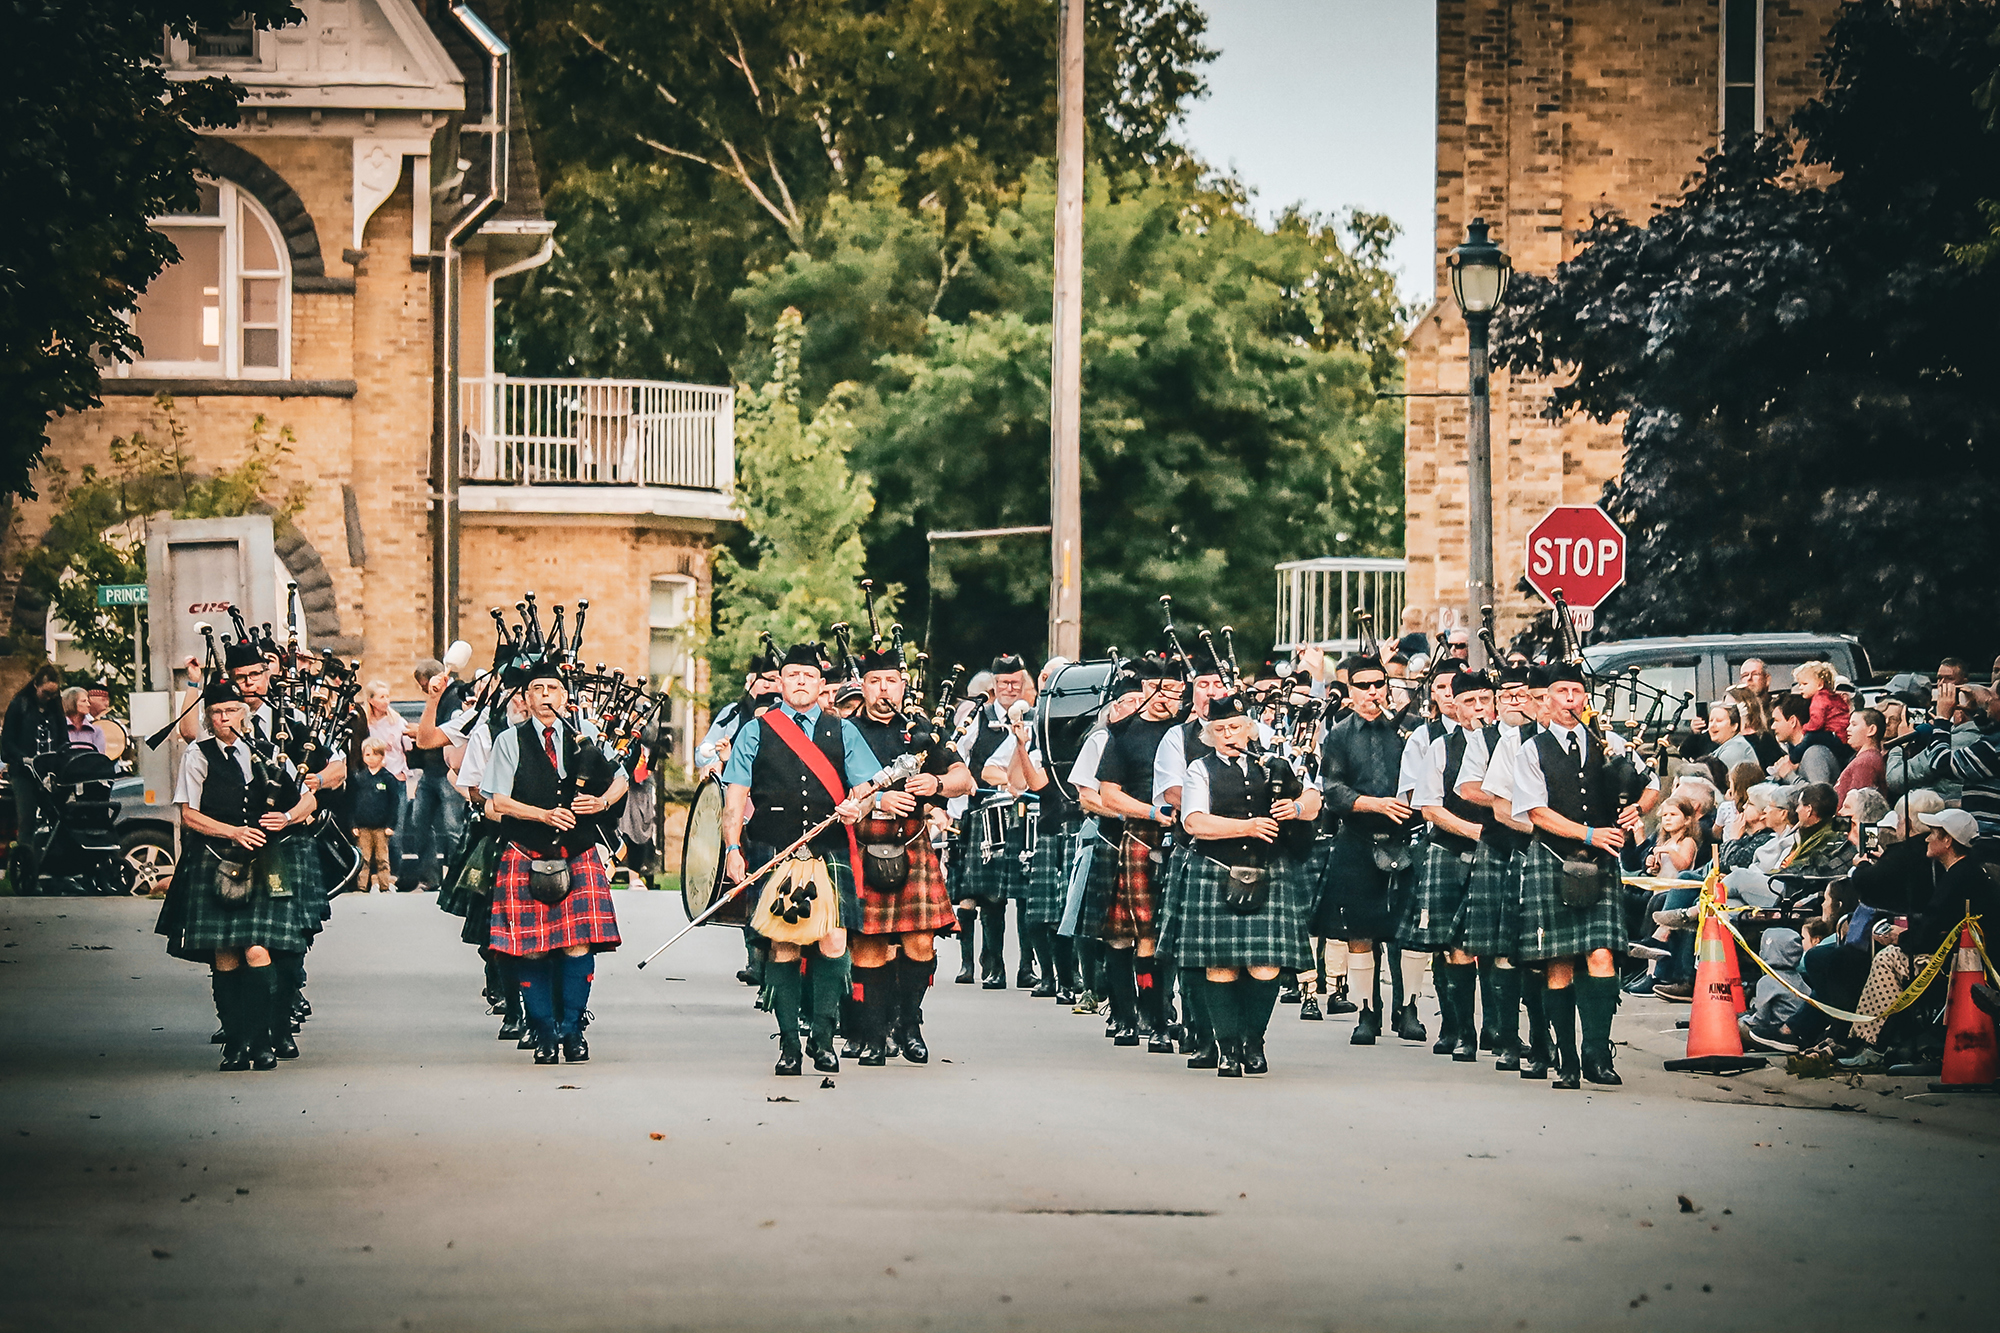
(890,741)
(785,798)
(224,794)
(1454,761)
(1585,793)
(992,730)
(537,783)
(1235,795)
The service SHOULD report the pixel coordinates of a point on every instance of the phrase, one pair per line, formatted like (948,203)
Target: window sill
(219,388)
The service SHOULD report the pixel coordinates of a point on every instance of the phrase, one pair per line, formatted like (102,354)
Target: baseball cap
(1961,827)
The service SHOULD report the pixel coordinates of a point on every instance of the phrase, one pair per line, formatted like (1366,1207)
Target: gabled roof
(378,55)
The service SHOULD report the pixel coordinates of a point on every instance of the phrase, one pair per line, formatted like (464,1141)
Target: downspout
(448,307)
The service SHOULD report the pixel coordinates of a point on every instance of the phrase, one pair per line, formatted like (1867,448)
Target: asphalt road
(410,1172)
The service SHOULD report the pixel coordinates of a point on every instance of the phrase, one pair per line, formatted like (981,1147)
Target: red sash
(822,768)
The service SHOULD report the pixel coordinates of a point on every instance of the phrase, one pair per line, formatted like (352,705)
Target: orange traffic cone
(1969,1061)
(1715,1046)
(1732,962)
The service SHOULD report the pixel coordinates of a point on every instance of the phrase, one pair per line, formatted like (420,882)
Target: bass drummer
(904,902)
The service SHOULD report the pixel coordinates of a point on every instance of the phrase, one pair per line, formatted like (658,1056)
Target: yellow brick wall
(1548,111)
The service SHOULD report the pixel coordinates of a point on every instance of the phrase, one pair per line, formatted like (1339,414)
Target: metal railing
(555,432)
(1317,598)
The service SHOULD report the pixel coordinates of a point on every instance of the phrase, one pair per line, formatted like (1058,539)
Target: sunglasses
(1379,684)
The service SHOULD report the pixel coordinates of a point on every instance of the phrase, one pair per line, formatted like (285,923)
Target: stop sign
(1578,550)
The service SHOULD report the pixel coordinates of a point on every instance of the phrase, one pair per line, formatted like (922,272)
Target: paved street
(410,1172)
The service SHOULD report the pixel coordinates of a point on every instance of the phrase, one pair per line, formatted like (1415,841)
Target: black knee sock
(968,945)
(259,985)
(1560,1004)
(1534,998)
(874,999)
(1489,1000)
(1090,964)
(913,981)
(993,938)
(785,984)
(827,979)
(1254,1002)
(1194,1000)
(1122,982)
(1225,1021)
(1145,991)
(1395,961)
(1506,1008)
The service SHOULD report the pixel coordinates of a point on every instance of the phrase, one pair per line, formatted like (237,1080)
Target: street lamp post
(1479,272)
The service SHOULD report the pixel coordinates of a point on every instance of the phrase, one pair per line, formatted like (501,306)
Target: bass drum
(1065,712)
(701,859)
(115,739)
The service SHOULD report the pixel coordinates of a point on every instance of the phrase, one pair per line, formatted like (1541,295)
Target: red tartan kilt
(522,926)
(1132,900)
(922,904)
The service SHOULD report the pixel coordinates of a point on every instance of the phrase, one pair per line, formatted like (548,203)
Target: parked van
(1706,665)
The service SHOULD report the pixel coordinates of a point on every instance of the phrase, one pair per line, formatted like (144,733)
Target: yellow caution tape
(1932,966)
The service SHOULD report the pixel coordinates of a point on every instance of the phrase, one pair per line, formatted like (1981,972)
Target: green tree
(802,514)
(98,141)
(98,535)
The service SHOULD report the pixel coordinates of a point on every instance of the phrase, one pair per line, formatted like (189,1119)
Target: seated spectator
(1971,756)
(1760,821)
(1678,844)
(1816,683)
(1810,757)
(1742,777)
(1773,1020)
(1865,730)
(1756,724)
(1725,732)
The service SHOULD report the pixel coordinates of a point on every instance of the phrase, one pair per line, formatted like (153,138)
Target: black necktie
(1569,741)
(258,724)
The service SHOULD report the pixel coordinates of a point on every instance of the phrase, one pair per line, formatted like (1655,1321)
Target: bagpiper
(1493,899)
(992,833)
(1434,917)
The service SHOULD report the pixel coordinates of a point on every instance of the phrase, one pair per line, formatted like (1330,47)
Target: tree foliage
(98,141)
(1802,368)
(802,514)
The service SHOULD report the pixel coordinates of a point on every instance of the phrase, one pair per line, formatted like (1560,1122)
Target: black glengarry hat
(805,654)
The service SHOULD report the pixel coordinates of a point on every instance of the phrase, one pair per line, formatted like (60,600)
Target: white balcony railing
(550,432)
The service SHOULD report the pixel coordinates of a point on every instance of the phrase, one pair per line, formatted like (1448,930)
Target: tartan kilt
(1320,912)
(1134,898)
(922,904)
(1433,912)
(456,895)
(1550,930)
(1173,895)
(1048,873)
(1208,934)
(1001,878)
(838,868)
(1357,900)
(1099,888)
(1493,903)
(282,925)
(520,925)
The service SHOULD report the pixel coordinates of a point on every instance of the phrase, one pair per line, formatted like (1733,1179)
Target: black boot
(752,971)
(1048,982)
(1596,1003)
(257,1016)
(1561,1007)
(868,1035)
(279,1017)
(1534,999)
(1465,1028)
(1198,1031)
(1338,1001)
(1255,1001)
(1447,1040)
(1489,1007)
(826,980)
(1025,977)
(1309,1009)
(968,920)
(229,997)
(913,981)
(1288,988)
(1367,1026)
(218,989)
(1154,982)
(993,946)
(1409,1026)
(1225,1018)
(1507,1018)
(1122,980)
(1064,952)
(785,985)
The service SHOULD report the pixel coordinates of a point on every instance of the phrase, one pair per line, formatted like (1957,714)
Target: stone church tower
(1549,111)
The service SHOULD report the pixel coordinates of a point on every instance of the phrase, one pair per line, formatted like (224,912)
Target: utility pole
(1066,355)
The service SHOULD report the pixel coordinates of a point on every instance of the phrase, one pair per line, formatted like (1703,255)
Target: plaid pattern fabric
(1433,909)
(1133,903)
(1172,885)
(520,925)
(1550,930)
(922,903)
(1357,901)
(1208,934)
(1493,904)
(999,878)
(838,869)
(282,925)
(1048,873)
(1099,888)
(478,856)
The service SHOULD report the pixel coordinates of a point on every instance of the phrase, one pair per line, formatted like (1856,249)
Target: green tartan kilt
(1002,876)
(1048,873)
(1493,903)
(1171,894)
(1434,909)
(1099,888)
(1208,934)
(1551,930)
(283,924)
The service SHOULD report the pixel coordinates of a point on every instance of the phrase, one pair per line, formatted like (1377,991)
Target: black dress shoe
(526,1041)
(1159,1045)
(511,1030)
(1338,1003)
(303,1009)
(1444,1045)
(1229,1064)
(493,1006)
(913,1048)
(263,1058)
(748,978)
(1534,1066)
(1367,1027)
(994,981)
(1510,1059)
(1465,1050)
(826,1061)
(235,1057)
(1026,979)
(852,1050)
(1253,1058)
(284,1047)
(1044,990)
(789,1063)
(1066,997)
(1205,1058)
(1290,994)
(546,1051)
(1568,1079)
(575,1049)
(1408,1026)
(892,1045)
(219,1036)
(1309,1010)
(964,977)
(872,1057)
(1598,1070)
(1125,1036)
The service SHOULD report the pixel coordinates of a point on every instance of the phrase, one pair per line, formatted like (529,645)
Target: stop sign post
(1576,550)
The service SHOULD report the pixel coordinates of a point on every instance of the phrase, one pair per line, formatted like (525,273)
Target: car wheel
(149,858)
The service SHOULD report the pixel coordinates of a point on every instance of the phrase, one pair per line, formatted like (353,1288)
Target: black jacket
(377,797)
(32,727)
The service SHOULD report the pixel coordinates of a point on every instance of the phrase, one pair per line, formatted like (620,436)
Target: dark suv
(1706,665)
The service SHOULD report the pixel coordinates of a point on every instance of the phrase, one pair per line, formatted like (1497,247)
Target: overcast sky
(1329,102)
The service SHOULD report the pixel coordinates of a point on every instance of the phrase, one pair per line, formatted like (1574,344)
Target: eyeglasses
(1382,684)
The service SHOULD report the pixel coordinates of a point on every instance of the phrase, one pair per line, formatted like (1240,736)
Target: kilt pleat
(1048,873)
(1172,885)
(1358,900)
(1551,930)
(921,904)
(1493,903)
(520,925)
(283,924)
(1133,900)
(1436,902)
(1208,934)
(1099,888)
(1000,876)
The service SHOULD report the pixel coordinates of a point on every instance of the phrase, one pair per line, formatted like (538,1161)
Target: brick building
(1550,111)
(337,278)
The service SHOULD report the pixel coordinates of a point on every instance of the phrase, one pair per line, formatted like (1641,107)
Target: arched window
(224,311)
